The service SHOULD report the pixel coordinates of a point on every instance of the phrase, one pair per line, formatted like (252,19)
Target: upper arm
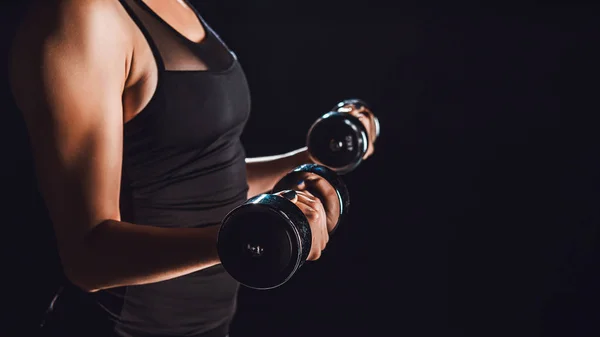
(68,74)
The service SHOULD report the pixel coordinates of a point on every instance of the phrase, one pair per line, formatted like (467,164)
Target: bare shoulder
(62,31)
(74,17)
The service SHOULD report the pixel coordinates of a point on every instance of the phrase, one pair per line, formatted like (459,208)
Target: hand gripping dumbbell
(264,241)
(338,139)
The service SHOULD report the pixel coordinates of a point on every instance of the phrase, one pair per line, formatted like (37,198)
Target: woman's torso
(183,166)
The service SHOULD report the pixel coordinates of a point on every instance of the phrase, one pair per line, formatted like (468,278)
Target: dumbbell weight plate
(338,140)
(264,241)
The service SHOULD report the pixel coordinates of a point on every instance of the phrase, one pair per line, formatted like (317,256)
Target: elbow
(81,266)
(80,273)
(87,289)
(78,278)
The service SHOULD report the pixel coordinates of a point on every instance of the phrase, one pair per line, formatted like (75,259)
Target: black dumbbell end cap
(338,140)
(258,244)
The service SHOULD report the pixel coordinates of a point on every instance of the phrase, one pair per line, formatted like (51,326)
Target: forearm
(120,254)
(264,172)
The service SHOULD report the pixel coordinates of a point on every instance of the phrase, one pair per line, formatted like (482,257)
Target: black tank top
(183,166)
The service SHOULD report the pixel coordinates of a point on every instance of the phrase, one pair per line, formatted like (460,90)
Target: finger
(323,190)
(374,126)
(315,212)
(290,195)
(318,187)
(320,236)
(317,247)
(352,109)
(301,184)
(317,217)
(367,117)
(329,198)
(312,202)
(305,195)
(309,207)
(368,120)
(314,255)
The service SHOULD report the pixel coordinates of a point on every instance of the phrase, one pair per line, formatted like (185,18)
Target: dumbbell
(338,139)
(263,242)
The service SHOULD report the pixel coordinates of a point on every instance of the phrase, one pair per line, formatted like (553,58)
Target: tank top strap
(137,15)
(172,50)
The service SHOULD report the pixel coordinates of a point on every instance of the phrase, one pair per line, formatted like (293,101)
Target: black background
(478,214)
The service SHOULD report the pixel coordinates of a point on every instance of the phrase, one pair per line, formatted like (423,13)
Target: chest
(185,108)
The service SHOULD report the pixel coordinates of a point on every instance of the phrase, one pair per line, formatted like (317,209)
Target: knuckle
(306,193)
(317,204)
(311,213)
